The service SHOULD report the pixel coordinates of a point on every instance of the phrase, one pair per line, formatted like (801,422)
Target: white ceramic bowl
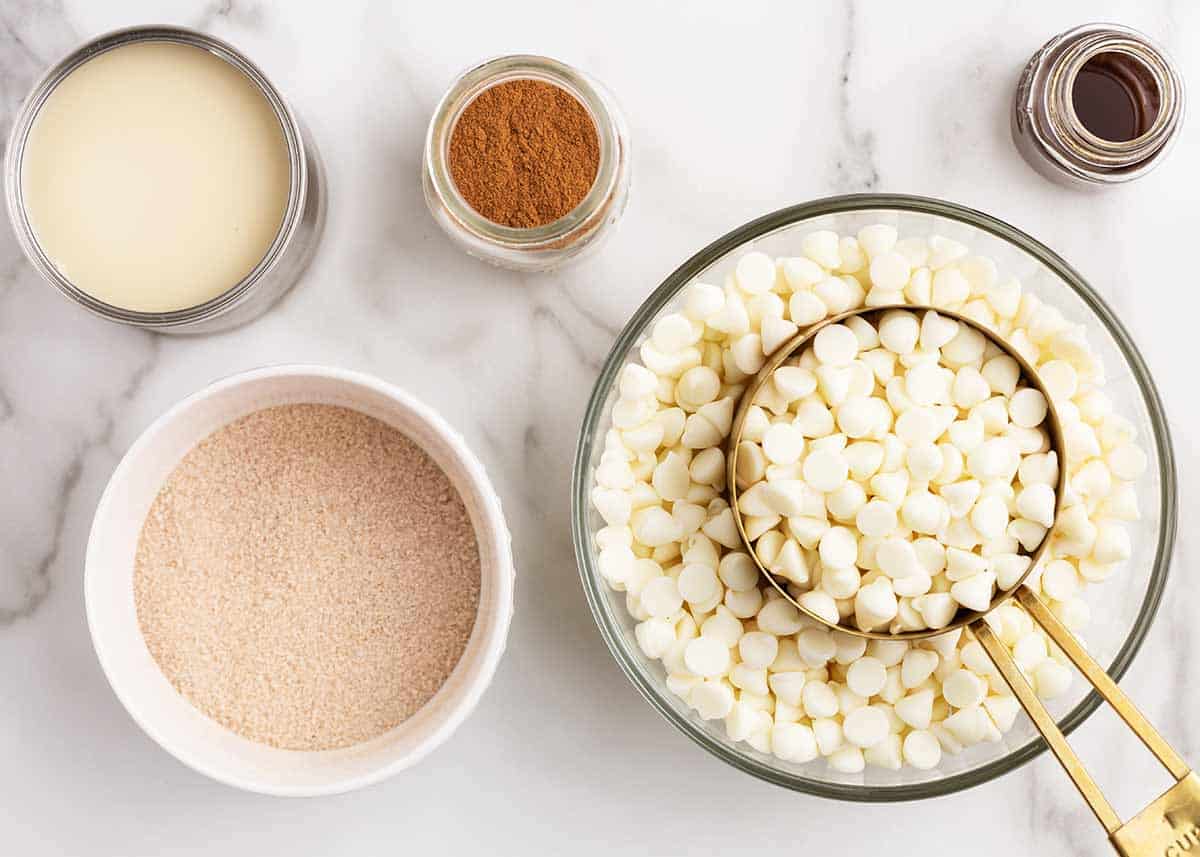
(172,721)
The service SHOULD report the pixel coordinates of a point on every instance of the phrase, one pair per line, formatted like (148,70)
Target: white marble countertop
(735,110)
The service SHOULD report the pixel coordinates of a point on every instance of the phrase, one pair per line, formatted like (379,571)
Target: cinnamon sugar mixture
(307,577)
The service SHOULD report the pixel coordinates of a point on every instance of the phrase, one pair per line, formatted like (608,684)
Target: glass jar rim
(656,694)
(1114,153)
(28,111)
(465,88)
(1048,131)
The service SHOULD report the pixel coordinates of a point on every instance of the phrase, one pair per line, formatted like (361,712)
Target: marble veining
(733,112)
(855,166)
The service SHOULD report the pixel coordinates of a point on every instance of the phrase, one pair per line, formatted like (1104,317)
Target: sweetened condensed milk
(156,176)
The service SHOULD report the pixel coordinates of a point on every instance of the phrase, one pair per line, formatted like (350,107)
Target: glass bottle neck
(1153,90)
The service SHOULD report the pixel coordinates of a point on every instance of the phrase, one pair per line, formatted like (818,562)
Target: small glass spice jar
(1098,105)
(547,246)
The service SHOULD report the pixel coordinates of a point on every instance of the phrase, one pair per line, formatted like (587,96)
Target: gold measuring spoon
(1171,819)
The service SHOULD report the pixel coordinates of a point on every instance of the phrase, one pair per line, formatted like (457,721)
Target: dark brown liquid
(1115,98)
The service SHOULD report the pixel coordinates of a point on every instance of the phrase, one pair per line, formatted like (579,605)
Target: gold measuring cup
(1170,825)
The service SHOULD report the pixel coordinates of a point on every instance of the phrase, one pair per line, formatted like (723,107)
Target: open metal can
(284,260)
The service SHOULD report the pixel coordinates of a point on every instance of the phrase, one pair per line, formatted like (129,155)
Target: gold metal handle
(1168,827)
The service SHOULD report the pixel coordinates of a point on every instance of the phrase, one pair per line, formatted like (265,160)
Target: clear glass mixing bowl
(1122,607)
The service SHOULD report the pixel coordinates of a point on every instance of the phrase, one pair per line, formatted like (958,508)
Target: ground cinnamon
(524,153)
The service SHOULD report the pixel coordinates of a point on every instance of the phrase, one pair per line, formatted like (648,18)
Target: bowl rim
(762,227)
(494,529)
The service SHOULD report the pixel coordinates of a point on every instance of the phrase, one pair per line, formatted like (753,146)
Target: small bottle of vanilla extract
(1098,105)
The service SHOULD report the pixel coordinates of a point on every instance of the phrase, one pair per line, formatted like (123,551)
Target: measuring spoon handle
(1185,802)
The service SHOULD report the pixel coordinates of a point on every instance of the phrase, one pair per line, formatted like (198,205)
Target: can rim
(298,187)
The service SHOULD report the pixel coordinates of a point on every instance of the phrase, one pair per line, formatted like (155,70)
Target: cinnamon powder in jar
(524,153)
